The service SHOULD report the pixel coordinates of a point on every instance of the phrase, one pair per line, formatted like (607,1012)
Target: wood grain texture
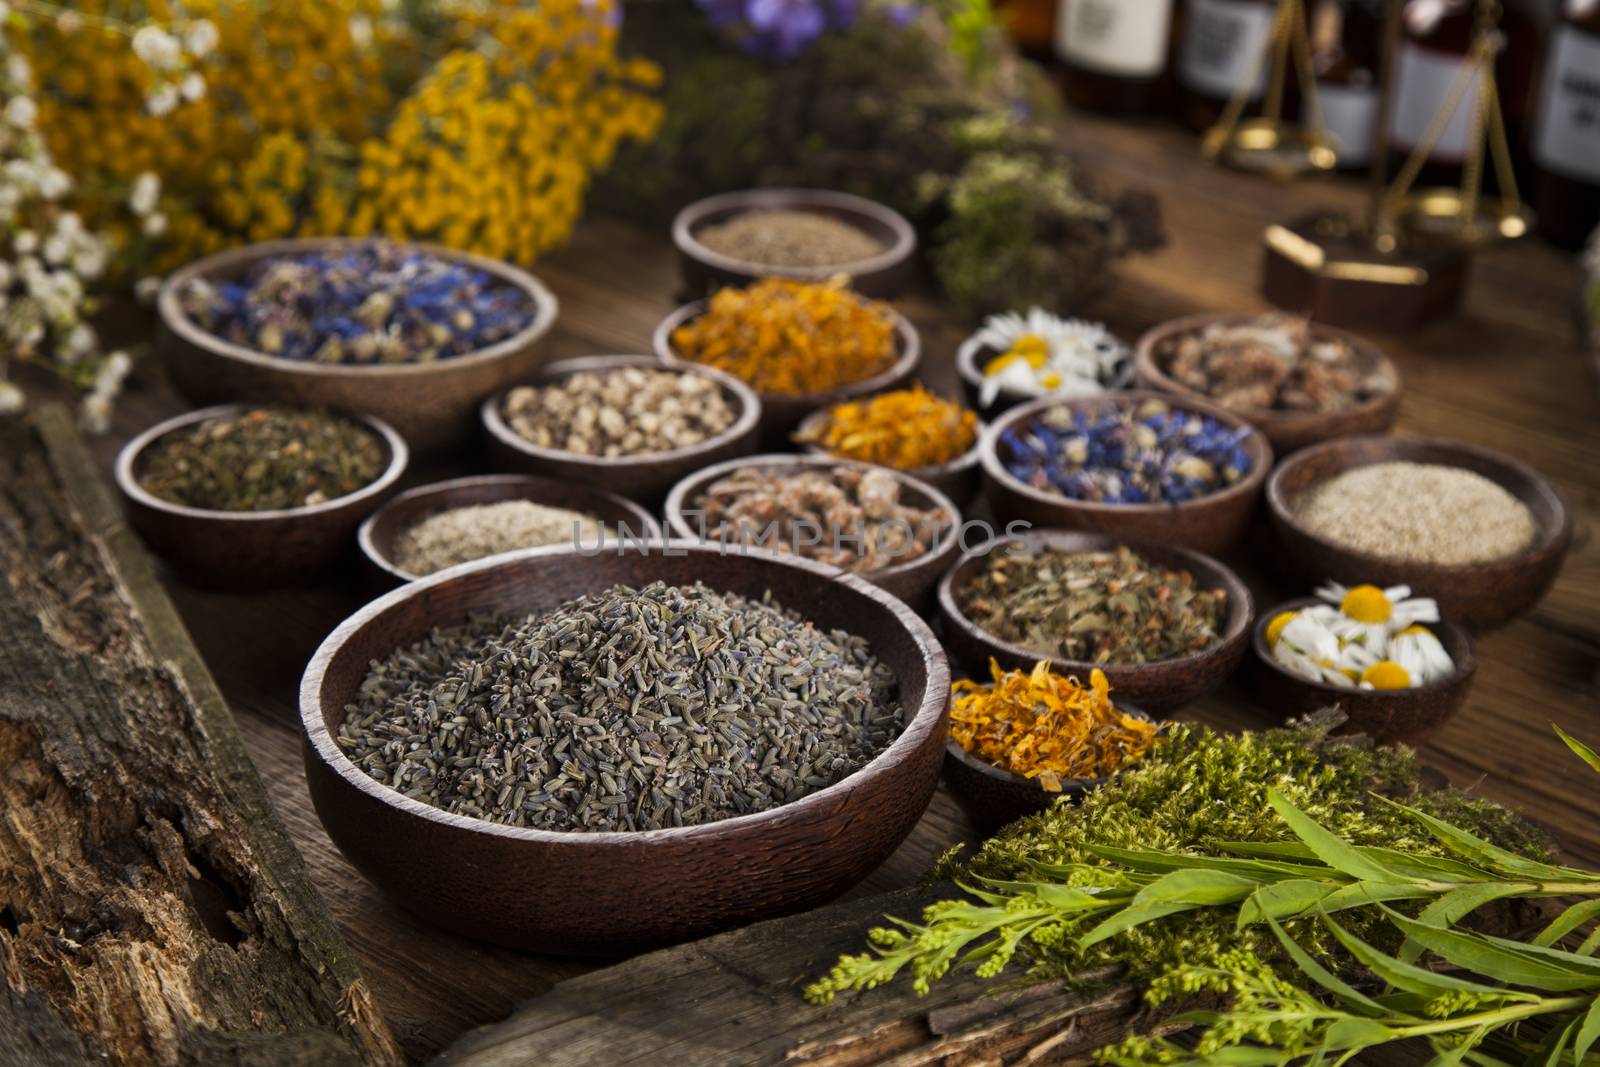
(152,909)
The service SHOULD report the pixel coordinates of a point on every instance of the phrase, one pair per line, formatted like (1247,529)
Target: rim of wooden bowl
(492,415)
(967,371)
(1012,778)
(1255,444)
(920,721)
(1240,606)
(968,460)
(907,341)
(678,527)
(1549,537)
(235,261)
(1457,641)
(649,528)
(835,204)
(1152,374)
(128,461)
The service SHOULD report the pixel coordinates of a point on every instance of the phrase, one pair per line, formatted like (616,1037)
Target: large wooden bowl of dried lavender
(1178,620)
(432,401)
(522,737)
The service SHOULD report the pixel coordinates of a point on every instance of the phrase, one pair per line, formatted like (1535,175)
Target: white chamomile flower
(159,49)
(200,39)
(161,100)
(144,194)
(1305,646)
(1370,615)
(192,87)
(21,112)
(1041,353)
(1421,654)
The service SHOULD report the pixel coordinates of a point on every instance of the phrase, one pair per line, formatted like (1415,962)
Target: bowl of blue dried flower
(415,334)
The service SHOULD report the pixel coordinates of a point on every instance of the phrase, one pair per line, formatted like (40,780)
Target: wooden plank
(152,908)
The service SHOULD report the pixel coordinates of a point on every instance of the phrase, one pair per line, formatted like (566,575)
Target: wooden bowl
(645,478)
(1158,687)
(594,893)
(251,550)
(1287,430)
(432,404)
(780,414)
(1208,524)
(973,354)
(379,533)
(958,479)
(1479,596)
(881,275)
(1390,716)
(912,581)
(993,797)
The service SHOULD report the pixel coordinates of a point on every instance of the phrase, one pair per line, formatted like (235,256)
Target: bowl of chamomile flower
(1383,656)
(1015,357)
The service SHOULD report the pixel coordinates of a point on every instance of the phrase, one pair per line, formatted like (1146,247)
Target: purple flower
(780,29)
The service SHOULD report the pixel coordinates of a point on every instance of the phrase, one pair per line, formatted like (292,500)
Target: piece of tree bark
(735,1000)
(152,908)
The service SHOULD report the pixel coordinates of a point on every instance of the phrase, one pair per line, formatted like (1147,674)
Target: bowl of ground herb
(609,753)
(415,334)
(1135,464)
(1477,531)
(424,530)
(800,345)
(1166,625)
(249,497)
(807,234)
(912,430)
(623,422)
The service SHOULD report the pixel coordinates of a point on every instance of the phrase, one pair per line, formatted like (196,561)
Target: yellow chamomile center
(1414,630)
(1276,626)
(1366,603)
(1386,674)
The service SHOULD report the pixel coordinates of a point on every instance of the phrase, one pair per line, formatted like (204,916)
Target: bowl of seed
(1029,738)
(415,334)
(1381,655)
(800,345)
(1166,625)
(1134,464)
(424,530)
(912,430)
(1477,531)
(1015,357)
(250,497)
(592,755)
(896,531)
(623,422)
(806,234)
(1297,381)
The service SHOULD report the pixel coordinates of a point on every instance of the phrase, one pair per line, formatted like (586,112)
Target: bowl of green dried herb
(607,752)
(243,496)
(1165,624)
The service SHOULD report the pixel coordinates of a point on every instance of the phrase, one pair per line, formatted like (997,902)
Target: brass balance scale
(1404,263)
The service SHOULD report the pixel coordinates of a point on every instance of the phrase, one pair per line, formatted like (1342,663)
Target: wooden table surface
(1506,373)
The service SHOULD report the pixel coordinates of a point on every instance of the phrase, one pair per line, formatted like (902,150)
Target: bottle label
(1224,43)
(1120,37)
(1423,82)
(1567,140)
(1350,114)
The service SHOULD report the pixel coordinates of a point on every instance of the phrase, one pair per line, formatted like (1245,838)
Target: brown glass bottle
(1437,37)
(1030,23)
(1219,47)
(1566,134)
(1114,53)
(1347,49)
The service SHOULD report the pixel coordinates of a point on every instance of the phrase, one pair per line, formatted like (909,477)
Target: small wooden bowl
(992,797)
(957,479)
(378,534)
(1208,524)
(912,581)
(1157,687)
(1287,430)
(1479,596)
(883,275)
(251,550)
(645,478)
(1391,716)
(591,893)
(971,357)
(781,414)
(431,404)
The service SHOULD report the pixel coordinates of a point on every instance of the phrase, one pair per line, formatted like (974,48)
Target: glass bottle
(1221,45)
(1114,53)
(1566,133)
(1347,50)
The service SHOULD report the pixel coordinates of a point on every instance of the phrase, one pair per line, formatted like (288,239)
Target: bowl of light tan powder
(432,527)
(1478,531)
